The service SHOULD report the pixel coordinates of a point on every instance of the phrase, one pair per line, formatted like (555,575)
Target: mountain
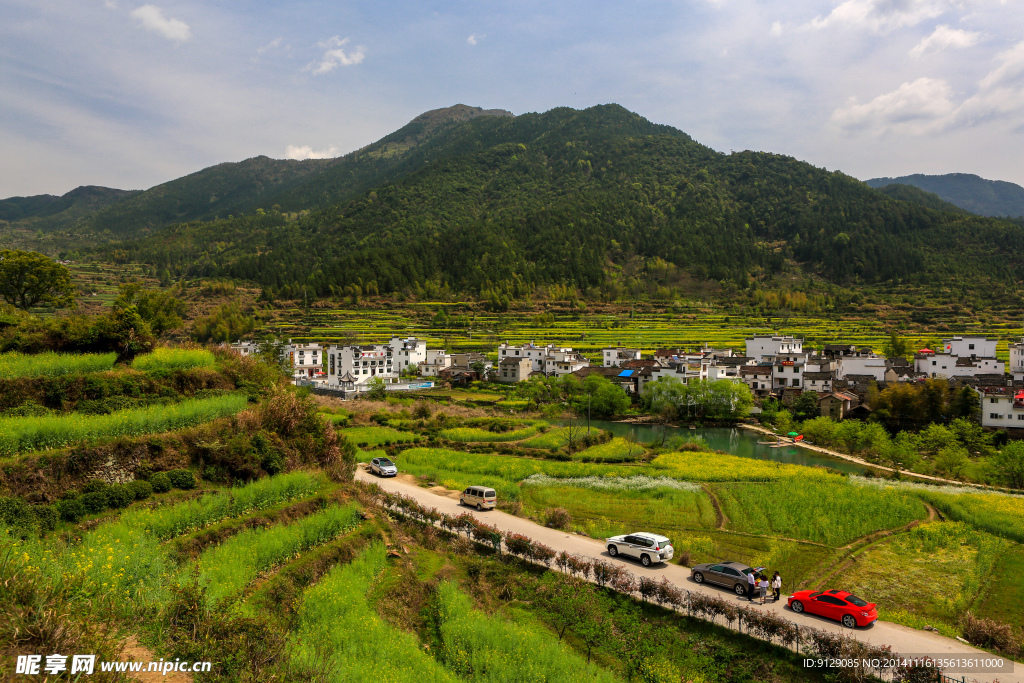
(600,199)
(915,195)
(969,192)
(49,212)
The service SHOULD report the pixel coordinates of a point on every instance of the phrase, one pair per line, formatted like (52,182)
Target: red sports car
(835,604)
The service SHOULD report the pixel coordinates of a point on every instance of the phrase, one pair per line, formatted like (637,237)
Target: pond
(741,442)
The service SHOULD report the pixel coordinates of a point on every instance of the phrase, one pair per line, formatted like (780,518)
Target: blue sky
(131,93)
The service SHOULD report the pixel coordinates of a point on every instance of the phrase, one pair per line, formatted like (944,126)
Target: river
(739,442)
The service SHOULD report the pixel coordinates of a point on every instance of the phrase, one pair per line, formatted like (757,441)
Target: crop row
(50,364)
(19,434)
(166,359)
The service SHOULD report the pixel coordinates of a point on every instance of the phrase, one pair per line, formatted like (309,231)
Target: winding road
(904,640)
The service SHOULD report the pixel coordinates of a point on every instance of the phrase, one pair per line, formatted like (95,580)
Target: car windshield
(489,493)
(854,600)
(385,462)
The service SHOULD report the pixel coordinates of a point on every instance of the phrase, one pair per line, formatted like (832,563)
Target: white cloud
(884,15)
(914,107)
(307,152)
(1000,93)
(776,29)
(153,19)
(276,42)
(476,38)
(110,4)
(944,37)
(336,56)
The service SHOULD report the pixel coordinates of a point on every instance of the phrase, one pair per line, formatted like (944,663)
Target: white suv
(647,548)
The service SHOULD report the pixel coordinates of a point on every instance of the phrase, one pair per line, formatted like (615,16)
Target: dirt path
(135,652)
(719,514)
(901,638)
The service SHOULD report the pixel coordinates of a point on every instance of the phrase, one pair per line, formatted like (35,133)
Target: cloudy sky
(128,94)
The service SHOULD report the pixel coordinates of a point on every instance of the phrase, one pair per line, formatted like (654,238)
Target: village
(773,367)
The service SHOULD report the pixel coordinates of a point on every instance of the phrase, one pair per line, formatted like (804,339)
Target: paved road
(905,640)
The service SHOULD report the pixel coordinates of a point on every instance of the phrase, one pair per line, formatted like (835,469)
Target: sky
(128,94)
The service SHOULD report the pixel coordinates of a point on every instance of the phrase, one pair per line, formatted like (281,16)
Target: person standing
(762,586)
(751,584)
(776,587)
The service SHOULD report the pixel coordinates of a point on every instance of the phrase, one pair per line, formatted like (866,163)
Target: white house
(862,365)
(1001,407)
(361,363)
(760,347)
(613,358)
(408,352)
(982,347)
(1017,359)
(757,377)
(788,370)
(246,348)
(306,360)
(512,369)
(548,359)
(436,360)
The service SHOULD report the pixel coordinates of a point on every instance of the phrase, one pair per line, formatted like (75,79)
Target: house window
(934,363)
(796,382)
(993,400)
(970,346)
(995,416)
(1020,417)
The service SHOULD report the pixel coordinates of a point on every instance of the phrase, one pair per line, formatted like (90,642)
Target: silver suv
(383,467)
(647,548)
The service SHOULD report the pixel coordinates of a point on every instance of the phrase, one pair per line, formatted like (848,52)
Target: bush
(559,518)
(95,501)
(71,509)
(120,496)
(16,515)
(160,482)
(140,489)
(94,486)
(990,633)
(46,516)
(182,479)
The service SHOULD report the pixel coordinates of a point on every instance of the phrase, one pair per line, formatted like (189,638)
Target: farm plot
(932,572)
(1003,592)
(616,450)
(18,434)
(166,360)
(833,513)
(14,365)
(470,434)
(369,437)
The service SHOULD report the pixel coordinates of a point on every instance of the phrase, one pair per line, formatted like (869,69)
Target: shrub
(161,482)
(95,501)
(182,479)
(140,488)
(46,516)
(94,486)
(990,633)
(559,518)
(71,509)
(120,496)
(16,515)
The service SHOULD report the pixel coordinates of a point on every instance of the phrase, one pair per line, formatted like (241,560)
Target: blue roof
(626,373)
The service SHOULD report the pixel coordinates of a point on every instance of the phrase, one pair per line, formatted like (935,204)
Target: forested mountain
(915,195)
(970,192)
(49,212)
(496,206)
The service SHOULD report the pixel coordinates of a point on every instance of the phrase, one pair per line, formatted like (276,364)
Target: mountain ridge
(993,198)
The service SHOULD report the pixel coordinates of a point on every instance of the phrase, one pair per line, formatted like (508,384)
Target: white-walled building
(788,371)
(245,348)
(306,360)
(760,348)
(1017,360)
(361,363)
(407,352)
(512,369)
(550,359)
(436,361)
(982,347)
(862,365)
(613,358)
(1001,407)
(758,378)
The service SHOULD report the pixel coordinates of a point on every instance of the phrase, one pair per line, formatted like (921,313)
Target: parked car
(480,497)
(644,546)
(732,575)
(383,467)
(835,604)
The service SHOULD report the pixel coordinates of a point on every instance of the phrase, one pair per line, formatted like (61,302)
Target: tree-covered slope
(915,195)
(568,197)
(49,212)
(968,191)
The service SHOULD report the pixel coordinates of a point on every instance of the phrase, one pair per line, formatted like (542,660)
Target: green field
(14,365)
(376,436)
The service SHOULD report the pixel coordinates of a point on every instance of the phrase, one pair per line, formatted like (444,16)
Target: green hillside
(500,206)
(968,191)
(49,212)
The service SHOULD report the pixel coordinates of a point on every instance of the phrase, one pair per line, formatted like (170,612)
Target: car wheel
(645,560)
(698,577)
(849,621)
(479,507)
(613,551)
(738,589)
(461,502)
(797,606)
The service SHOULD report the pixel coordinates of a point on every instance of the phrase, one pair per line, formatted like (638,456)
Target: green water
(739,442)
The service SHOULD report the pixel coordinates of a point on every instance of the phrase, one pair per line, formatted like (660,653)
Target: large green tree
(29,279)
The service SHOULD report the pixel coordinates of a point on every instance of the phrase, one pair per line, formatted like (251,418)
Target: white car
(648,548)
(383,467)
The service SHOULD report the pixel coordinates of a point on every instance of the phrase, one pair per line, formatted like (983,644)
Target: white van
(480,497)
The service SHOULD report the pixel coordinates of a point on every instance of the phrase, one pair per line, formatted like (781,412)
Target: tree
(972,436)
(606,398)
(896,346)
(805,406)
(377,389)
(952,460)
(29,279)
(1009,463)
(160,310)
(965,403)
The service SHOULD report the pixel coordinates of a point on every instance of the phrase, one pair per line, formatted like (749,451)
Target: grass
(934,571)
(616,450)
(1003,594)
(166,359)
(49,364)
(478,647)
(706,466)
(228,567)
(18,434)
(553,438)
(339,636)
(833,513)
(377,436)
